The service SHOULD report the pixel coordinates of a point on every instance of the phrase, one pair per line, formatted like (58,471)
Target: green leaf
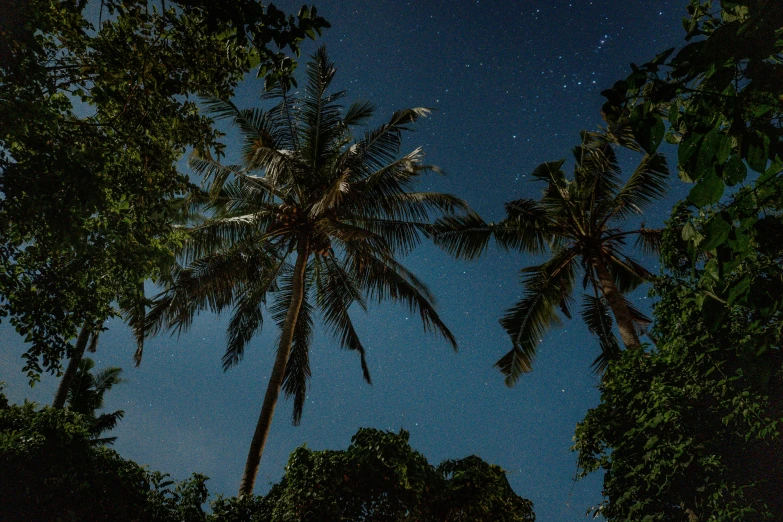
(723,149)
(712,313)
(648,129)
(715,232)
(739,289)
(687,152)
(689,233)
(734,171)
(707,191)
(758,151)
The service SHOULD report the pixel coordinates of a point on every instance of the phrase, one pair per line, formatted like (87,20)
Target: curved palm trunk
(278,371)
(73,367)
(621,313)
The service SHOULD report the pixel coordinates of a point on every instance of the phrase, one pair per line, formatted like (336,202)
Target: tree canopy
(378,478)
(691,429)
(94,115)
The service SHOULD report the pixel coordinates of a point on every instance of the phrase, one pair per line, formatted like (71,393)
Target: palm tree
(579,221)
(313,221)
(85,396)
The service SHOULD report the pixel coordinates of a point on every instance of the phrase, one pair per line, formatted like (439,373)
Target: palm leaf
(598,318)
(464,237)
(358,112)
(649,240)
(387,279)
(597,173)
(297,370)
(246,321)
(546,287)
(627,273)
(648,183)
(337,291)
(527,227)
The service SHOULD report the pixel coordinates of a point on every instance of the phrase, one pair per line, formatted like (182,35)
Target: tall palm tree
(579,222)
(312,222)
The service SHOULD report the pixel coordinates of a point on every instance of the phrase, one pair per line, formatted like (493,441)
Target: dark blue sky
(513,83)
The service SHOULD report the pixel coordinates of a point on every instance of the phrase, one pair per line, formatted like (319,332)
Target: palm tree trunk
(73,367)
(278,371)
(616,302)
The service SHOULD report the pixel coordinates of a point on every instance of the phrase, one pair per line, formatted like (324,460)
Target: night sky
(513,83)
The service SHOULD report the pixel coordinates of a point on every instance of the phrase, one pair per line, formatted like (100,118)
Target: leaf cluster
(378,478)
(718,99)
(691,429)
(93,119)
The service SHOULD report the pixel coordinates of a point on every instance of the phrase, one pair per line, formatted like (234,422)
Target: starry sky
(513,83)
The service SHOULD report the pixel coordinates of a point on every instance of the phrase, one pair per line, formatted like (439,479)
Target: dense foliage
(93,118)
(691,430)
(380,478)
(721,97)
(51,469)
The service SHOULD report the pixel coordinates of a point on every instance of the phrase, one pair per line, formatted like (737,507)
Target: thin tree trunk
(616,302)
(73,367)
(278,372)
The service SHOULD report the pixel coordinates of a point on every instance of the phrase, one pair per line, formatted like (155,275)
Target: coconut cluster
(288,215)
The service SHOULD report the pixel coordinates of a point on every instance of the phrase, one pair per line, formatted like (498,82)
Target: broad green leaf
(648,129)
(758,151)
(689,233)
(723,149)
(739,289)
(707,191)
(687,152)
(734,171)
(715,232)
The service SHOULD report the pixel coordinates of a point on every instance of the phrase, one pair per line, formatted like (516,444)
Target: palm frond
(379,147)
(649,240)
(517,361)
(400,236)
(627,273)
(648,183)
(551,173)
(337,291)
(358,112)
(212,173)
(641,320)
(332,195)
(527,226)
(546,287)
(210,283)
(385,279)
(617,133)
(413,206)
(297,370)
(598,318)
(464,237)
(597,173)
(247,319)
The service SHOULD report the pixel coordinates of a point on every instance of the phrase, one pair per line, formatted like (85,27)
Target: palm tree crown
(311,223)
(579,222)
